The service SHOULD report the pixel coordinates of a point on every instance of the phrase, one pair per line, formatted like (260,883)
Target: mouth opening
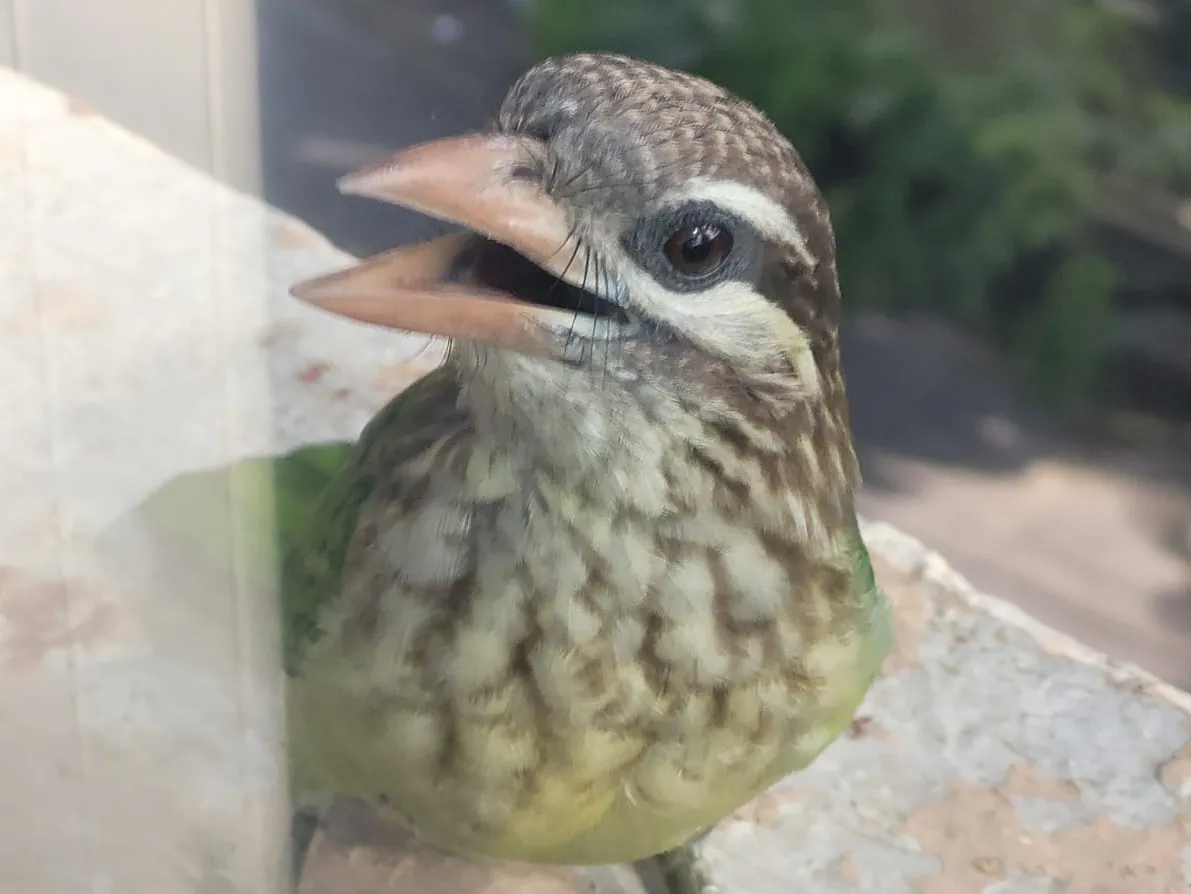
(499,267)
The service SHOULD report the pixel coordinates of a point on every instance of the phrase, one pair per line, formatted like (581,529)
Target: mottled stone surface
(995,755)
(145,331)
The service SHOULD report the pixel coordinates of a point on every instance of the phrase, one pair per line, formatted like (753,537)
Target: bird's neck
(662,447)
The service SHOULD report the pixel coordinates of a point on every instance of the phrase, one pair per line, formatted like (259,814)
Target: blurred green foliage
(963,147)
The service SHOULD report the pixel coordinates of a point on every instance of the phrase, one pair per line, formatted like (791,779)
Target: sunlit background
(1010,182)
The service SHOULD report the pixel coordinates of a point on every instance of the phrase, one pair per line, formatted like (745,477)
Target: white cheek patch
(730,319)
(769,218)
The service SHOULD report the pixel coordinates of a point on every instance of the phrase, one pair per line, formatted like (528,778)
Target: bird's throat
(654,445)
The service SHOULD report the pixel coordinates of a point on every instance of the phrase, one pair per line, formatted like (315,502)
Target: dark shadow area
(1172,528)
(920,388)
(339,90)
(1175,609)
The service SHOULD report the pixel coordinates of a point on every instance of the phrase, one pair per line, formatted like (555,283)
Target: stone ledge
(145,331)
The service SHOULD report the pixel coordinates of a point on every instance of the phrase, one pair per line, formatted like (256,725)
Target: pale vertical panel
(141,63)
(8,37)
(182,73)
(42,768)
(233,91)
(139,746)
(146,331)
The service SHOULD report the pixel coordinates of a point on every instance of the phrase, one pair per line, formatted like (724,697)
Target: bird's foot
(302,828)
(685,871)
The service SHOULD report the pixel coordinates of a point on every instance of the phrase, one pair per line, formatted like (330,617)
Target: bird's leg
(302,828)
(683,870)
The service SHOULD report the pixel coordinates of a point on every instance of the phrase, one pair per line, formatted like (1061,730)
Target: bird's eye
(696,250)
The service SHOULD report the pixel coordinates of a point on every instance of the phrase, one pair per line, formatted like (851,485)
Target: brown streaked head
(614,203)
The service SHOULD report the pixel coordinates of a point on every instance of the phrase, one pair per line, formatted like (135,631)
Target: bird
(596,580)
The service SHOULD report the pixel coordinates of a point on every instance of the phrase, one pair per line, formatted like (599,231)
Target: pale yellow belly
(580,795)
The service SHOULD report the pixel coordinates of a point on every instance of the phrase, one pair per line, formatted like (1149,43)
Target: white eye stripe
(733,320)
(769,218)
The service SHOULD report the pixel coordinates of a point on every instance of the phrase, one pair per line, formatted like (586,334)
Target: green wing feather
(287,521)
(874,605)
(255,517)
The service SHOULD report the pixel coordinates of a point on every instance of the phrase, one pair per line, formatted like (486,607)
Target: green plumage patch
(287,522)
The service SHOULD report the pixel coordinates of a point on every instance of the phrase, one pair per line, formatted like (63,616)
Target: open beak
(478,181)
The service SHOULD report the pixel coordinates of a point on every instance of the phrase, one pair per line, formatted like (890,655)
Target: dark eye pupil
(698,246)
(699,249)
